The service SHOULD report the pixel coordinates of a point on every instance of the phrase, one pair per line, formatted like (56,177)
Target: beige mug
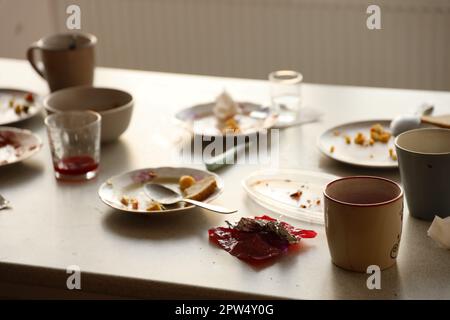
(363,222)
(66,59)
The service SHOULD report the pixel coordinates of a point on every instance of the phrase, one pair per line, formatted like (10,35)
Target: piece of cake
(202,189)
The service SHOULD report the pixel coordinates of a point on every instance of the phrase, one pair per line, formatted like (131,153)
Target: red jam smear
(256,246)
(8,138)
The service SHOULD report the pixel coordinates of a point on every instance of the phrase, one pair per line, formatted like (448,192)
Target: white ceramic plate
(7,112)
(273,189)
(201,120)
(131,184)
(376,156)
(17,145)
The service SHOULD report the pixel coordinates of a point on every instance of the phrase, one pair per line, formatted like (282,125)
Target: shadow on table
(342,169)
(407,272)
(20,173)
(115,158)
(159,227)
(421,266)
(353,285)
(33,124)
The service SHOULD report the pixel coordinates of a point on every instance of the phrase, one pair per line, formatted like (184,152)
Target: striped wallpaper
(327,40)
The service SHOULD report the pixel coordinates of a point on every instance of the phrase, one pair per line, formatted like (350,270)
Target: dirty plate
(375,156)
(201,120)
(294,193)
(17,105)
(17,145)
(131,184)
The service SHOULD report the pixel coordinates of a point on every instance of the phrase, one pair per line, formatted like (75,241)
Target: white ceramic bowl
(114,106)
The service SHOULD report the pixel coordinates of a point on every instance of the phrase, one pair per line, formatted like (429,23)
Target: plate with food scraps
(226,117)
(17,105)
(294,193)
(363,143)
(125,192)
(17,145)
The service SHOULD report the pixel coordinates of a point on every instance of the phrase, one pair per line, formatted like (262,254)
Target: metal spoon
(3,203)
(407,122)
(167,196)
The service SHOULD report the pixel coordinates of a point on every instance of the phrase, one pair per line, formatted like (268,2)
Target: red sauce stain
(8,138)
(76,165)
(258,246)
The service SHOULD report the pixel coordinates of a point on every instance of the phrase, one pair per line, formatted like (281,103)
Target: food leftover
(202,189)
(258,238)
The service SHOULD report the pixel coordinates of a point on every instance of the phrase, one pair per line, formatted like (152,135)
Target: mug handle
(31,58)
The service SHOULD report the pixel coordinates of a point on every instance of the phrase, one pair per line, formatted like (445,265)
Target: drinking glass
(285,92)
(74,138)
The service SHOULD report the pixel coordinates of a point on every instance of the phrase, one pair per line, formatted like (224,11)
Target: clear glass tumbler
(285,92)
(74,138)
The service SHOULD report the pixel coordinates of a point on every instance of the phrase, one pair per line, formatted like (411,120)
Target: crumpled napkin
(439,231)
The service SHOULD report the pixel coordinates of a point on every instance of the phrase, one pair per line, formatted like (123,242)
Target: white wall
(327,40)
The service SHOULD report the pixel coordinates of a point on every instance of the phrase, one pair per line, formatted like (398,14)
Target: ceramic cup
(424,161)
(363,222)
(115,107)
(66,59)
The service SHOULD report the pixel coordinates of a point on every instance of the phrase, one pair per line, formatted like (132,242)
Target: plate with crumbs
(294,193)
(125,191)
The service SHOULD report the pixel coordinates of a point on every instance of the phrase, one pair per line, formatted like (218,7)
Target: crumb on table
(154,206)
(296,195)
(134,204)
(377,133)
(125,200)
(360,138)
(348,140)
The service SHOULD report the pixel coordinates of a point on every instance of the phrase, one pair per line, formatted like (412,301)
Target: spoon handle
(210,207)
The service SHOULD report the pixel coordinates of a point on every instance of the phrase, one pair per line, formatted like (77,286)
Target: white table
(53,225)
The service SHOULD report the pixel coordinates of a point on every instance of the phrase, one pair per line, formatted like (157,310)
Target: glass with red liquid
(74,138)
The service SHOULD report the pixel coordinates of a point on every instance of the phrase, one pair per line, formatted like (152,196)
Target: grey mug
(424,161)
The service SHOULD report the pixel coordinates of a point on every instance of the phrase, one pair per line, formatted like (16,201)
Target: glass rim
(295,76)
(91,40)
(95,121)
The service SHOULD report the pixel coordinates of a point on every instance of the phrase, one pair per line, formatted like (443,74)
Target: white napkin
(439,231)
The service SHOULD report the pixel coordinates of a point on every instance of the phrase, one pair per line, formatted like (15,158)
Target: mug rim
(416,152)
(92,40)
(375,204)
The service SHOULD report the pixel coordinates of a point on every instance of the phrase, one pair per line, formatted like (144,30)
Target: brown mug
(67,59)
(363,222)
